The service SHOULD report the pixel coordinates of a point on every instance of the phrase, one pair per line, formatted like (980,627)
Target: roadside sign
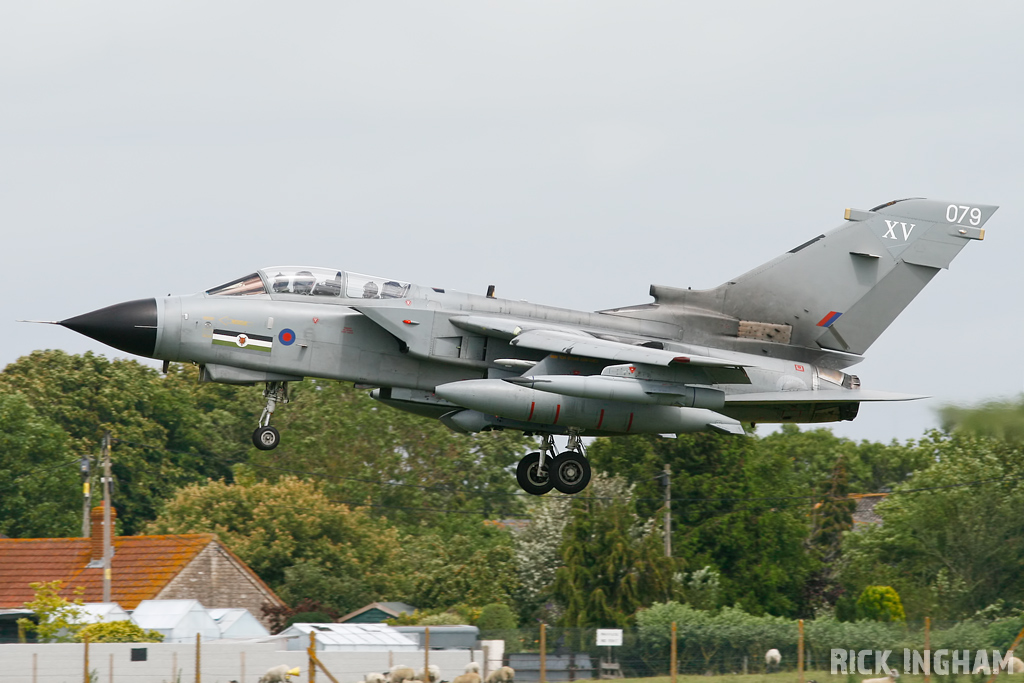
(609,636)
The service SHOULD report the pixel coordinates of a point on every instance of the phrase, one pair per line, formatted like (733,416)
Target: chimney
(96,545)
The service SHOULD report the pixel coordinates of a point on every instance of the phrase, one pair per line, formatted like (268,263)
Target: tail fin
(841,290)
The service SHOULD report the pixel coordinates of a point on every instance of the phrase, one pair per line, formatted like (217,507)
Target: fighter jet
(770,345)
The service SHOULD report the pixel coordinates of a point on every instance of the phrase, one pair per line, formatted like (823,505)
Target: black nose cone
(130,326)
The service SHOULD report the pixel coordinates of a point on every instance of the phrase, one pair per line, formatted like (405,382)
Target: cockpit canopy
(313,281)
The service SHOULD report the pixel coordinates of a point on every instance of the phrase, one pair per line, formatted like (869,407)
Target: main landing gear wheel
(531,477)
(266,438)
(570,472)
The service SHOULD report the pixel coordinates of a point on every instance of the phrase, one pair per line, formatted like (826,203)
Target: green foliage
(290,523)
(349,441)
(454,571)
(724,636)
(729,520)
(309,618)
(124,631)
(1001,420)
(170,430)
(496,616)
(955,545)
(57,619)
(613,560)
(880,603)
(38,474)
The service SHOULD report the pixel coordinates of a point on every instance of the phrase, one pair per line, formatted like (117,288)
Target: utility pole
(668,510)
(108,550)
(85,467)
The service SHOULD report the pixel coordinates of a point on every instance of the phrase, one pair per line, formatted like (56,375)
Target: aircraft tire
(570,472)
(266,438)
(529,476)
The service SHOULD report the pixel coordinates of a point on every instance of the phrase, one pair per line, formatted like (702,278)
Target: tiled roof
(865,513)
(141,567)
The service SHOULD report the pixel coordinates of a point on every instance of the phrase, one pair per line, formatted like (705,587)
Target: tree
(880,603)
(57,619)
(952,539)
(169,430)
(290,524)
(735,510)
(537,550)
(451,572)
(38,474)
(413,469)
(612,560)
(831,519)
(1001,420)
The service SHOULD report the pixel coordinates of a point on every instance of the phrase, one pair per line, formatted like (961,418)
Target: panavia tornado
(770,345)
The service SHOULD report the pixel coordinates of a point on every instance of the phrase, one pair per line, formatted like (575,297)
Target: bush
(118,632)
(880,603)
(496,616)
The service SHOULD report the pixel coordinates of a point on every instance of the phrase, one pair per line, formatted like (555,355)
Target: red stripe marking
(824,319)
(680,359)
(558,410)
(600,419)
(533,404)
(630,425)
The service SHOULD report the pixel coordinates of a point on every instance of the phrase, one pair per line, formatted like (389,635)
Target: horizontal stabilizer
(829,396)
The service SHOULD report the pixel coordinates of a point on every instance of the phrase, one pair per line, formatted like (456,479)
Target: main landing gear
(265,437)
(567,472)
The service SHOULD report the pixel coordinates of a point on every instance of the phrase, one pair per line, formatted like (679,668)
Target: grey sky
(571,153)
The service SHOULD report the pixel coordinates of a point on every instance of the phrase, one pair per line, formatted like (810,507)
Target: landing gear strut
(568,472)
(266,437)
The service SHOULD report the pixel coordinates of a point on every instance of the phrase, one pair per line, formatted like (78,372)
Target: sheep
(433,674)
(472,668)
(469,677)
(505,674)
(279,674)
(1015,667)
(772,659)
(399,673)
(374,677)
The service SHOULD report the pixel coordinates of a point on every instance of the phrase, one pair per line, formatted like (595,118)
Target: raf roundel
(286,337)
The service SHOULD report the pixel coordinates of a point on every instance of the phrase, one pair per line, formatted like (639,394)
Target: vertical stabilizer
(842,289)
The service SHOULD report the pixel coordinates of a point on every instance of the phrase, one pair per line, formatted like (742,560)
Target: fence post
(927,649)
(426,655)
(543,652)
(312,656)
(242,677)
(198,658)
(800,652)
(672,655)
(85,673)
(35,667)
(111,667)
(174,665)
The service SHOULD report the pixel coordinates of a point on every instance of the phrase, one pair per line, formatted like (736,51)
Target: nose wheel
(568,472)
(265,437)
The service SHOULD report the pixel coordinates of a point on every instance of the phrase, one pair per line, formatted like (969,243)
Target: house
(865,516)
(376,613)
(169,567)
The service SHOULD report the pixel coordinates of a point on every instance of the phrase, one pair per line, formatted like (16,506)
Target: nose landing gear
(567,472)
(265,437)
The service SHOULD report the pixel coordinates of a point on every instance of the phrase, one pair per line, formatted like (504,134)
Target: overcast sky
(571,153)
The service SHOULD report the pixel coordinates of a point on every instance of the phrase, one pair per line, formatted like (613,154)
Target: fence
(717,643)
